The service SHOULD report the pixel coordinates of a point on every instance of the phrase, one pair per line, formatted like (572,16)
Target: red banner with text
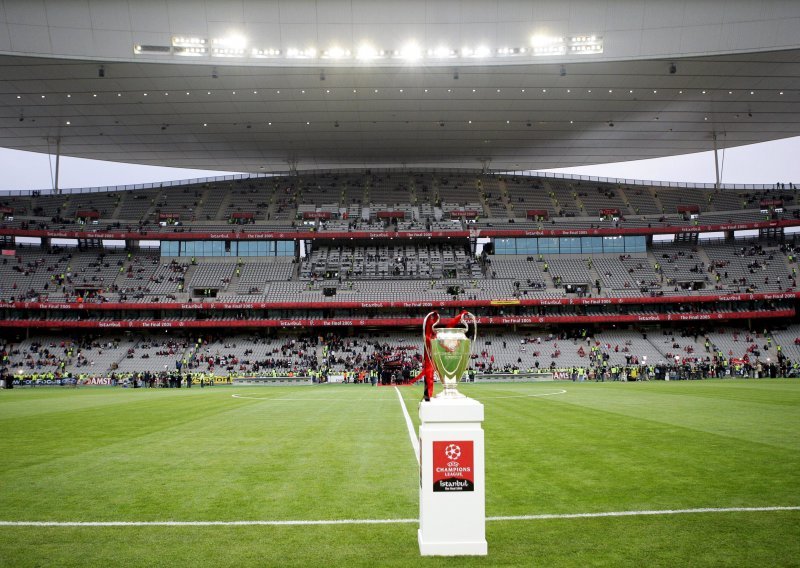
(391,322)
(304,234)
(609,301)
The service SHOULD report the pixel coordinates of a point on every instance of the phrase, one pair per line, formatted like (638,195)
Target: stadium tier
(535,258)
(392,356)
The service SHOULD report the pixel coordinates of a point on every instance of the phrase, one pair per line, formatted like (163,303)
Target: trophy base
(449,394)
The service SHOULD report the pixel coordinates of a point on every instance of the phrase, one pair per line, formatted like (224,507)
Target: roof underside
(260,119)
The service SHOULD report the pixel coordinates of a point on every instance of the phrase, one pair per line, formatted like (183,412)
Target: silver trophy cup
(450,352)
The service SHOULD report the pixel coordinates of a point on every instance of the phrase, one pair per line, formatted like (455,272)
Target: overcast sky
(766,163)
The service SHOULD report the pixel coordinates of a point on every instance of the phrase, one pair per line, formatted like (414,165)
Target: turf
(342,452)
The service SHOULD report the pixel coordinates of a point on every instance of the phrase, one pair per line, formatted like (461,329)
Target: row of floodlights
(236,46)
(234,39)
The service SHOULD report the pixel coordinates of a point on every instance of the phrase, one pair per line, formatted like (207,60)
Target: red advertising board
(467,214)
(97,381)
(391,214)
(607,301)
(537,214)
(317,215)
(306,233)
(387,322)
(453,466)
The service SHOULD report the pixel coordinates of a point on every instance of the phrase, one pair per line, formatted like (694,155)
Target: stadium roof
(504,110)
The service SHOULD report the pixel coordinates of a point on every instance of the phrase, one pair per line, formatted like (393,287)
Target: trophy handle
(430,375)
(465,321)
(425,346)
(425,324)
(471,317)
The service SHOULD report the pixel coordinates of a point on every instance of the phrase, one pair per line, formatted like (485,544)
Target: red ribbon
(427,364)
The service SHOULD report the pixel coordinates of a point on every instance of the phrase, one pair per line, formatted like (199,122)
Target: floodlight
(411,52)
(366,52)
(442,52)
(336,52)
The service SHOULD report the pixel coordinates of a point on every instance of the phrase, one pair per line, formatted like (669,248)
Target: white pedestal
(452,494)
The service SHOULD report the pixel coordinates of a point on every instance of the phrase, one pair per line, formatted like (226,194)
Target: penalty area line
(387,521)
(411,434)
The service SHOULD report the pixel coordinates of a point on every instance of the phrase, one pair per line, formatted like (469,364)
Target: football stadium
(226,371)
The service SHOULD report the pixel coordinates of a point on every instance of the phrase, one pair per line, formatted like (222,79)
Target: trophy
(449,350)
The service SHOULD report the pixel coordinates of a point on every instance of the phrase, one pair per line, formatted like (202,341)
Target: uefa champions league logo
(453,452)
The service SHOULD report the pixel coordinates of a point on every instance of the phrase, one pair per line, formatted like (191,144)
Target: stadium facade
(385,145)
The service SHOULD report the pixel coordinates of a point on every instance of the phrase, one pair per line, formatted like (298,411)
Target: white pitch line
(642,513)
(562,391)
(361,400)
(386,521)
(411,433)
(203,523)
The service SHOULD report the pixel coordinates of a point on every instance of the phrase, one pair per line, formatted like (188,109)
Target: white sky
(767,163)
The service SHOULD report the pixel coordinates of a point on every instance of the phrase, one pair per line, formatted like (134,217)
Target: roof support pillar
(716,158)
(56,189)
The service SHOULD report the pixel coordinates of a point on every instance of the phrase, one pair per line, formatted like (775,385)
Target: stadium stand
(561,272)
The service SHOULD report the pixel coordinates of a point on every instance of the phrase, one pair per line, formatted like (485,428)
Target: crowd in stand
(130,276)
(388,359)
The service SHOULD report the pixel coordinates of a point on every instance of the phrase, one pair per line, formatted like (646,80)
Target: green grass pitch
(342,452)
